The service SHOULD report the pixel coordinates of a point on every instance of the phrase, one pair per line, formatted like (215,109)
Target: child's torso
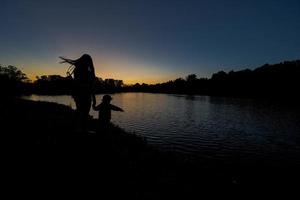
(105,112)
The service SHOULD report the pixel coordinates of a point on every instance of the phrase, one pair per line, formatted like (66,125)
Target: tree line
(277,80)
(56,84)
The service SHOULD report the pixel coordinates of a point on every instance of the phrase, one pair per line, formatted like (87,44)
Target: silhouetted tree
(219,76)
(12,73)
(119,83)
(12,80)
(191,78)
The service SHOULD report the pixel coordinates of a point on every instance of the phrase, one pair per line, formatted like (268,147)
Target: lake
(202,126)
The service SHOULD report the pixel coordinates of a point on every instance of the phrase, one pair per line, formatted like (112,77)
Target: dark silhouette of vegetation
(13,81)
(278,80)
(53,84)
(56,84)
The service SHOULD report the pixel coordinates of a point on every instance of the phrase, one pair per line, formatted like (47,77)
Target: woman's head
(85,59)
(82,68)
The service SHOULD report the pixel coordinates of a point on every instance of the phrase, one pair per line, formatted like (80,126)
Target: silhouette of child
(105,109)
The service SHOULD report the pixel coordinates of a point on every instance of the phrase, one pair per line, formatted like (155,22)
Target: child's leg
(103,126)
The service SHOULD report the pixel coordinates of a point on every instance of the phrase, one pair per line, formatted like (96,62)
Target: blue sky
(149,41)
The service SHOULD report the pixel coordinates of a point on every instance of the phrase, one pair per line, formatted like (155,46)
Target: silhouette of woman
(83,73)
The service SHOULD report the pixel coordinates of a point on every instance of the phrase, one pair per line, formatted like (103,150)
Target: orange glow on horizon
(149,81)
(127,81)
(130,71)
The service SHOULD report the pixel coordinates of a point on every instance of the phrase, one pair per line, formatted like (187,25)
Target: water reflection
(207,126)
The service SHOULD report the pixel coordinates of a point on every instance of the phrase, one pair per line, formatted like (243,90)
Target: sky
(148,41)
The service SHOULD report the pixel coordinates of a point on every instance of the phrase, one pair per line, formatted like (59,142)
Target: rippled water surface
(207,126)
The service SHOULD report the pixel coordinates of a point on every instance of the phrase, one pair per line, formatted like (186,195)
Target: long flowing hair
(79,66)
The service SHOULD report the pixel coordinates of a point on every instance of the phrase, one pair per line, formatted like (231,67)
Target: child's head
(106,98)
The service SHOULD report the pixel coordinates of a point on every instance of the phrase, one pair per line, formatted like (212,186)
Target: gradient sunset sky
(148,40)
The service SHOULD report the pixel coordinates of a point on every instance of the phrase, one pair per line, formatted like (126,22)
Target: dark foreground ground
(42,156)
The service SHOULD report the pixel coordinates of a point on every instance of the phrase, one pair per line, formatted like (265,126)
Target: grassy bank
(42,150)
